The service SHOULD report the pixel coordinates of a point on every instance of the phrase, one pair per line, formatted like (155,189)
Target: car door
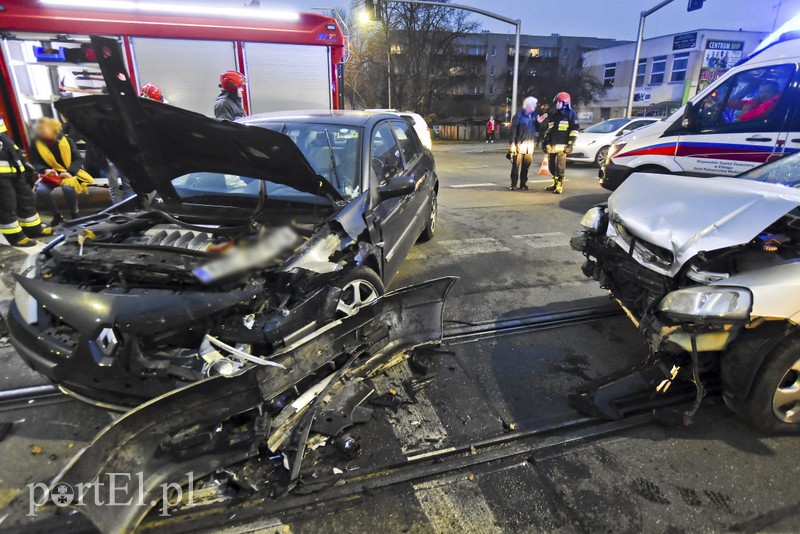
(393,216)
(738,125)
(789,139)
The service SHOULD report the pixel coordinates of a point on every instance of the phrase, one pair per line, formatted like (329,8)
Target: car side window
(635,125)
(408,141)
(386,161)
(751,96)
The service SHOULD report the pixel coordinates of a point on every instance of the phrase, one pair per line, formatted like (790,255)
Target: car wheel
(600,158)
(430,227)
(359,286)
(774,402)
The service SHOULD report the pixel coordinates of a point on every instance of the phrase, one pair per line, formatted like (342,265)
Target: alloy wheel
(355,294)
(786,399)
(600,159)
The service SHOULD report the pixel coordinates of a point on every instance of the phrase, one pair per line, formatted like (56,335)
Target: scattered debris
(348,445)
(36,450)
(471,477)
(337,471)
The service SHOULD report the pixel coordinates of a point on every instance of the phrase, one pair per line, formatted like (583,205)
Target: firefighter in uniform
(229,102)
(562,130)
(19,221)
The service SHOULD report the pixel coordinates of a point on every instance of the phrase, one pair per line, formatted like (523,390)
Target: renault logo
(107,341)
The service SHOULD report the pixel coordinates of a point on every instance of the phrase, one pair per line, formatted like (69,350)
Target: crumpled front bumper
(622,276)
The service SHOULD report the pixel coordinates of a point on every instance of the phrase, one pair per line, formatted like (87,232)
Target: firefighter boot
(33,227)
(15,236)
(559,185)
(552,188)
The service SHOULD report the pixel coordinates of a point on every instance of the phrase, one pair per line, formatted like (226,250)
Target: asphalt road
(511,251)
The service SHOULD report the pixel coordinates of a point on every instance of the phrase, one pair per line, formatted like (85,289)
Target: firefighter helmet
(151,92)
(231,80)
(564,98)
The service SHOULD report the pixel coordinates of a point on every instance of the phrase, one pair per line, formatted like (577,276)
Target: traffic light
(694,5)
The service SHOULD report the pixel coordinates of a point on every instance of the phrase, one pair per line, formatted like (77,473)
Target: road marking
(455,506)
(463,186)
(415,422)
(544,240)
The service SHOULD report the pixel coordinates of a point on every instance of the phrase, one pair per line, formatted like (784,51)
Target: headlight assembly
(714,303)
(593,219)
(616,147)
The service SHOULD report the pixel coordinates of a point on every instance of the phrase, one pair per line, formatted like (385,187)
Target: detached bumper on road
(612,175)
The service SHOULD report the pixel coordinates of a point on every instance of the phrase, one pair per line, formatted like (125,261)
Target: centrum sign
(112,490)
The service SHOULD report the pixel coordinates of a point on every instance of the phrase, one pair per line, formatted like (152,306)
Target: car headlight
(26,304)
(616,147)
(593,218)
(716,303)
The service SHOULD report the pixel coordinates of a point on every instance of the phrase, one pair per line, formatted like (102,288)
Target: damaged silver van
(710,269)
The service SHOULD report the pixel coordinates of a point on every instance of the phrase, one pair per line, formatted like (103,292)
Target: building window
(494,51)
(657,72)
(610,73)
(474,90)
(491,89)
(534,52)
(475,50)
(640,71)
(491,70)
(680,63)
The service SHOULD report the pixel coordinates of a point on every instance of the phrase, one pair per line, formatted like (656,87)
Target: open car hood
(156,143)
(687,215)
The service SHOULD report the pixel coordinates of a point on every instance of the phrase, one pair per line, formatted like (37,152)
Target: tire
(430,228)
(600,158)
(775,391)
(361,285)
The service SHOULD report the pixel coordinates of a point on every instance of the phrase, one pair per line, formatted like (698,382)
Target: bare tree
(412,46)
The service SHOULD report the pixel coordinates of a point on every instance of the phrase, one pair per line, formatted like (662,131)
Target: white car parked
(593,142)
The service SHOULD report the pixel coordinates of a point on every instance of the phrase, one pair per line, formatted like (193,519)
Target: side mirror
(399,186)
(625,132)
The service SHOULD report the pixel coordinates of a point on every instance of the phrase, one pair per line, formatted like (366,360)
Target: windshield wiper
(333,161)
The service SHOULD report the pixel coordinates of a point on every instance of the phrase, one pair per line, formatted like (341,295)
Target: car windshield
(785,171)
(607,126)
(197,185)
(332,150)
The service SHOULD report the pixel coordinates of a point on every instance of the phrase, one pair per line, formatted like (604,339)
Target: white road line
(413,422)
(455,507)
(544,240)
(464,186)
(474,245)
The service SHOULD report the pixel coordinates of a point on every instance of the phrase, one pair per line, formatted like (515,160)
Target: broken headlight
(26,304)
(593,219)
(707,303)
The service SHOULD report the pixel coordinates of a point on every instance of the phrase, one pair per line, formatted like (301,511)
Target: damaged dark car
(242,239)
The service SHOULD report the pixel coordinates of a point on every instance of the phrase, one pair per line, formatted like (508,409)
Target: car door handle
(795,140)
(759,139)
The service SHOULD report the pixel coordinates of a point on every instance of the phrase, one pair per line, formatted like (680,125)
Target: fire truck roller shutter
(283,77)
(186,71)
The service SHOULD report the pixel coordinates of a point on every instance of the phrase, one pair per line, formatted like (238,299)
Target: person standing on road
(562,130)
(19,220)
(525,128)
(491,129)
(229,102)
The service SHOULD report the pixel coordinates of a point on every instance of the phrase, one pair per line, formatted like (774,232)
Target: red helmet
(151,92)
(231,80)
(564,98)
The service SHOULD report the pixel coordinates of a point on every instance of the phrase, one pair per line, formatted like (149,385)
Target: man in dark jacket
(562,131)
(19,220)
(229,102)
(522,141)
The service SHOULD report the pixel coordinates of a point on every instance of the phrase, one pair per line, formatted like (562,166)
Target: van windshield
(785,171)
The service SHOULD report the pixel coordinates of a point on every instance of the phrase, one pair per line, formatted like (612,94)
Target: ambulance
(748,117)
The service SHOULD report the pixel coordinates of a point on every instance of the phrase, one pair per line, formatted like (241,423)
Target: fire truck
(292,61)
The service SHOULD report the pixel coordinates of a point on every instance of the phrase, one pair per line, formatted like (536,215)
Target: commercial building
(672,69)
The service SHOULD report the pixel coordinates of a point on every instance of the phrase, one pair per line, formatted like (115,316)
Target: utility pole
(638,53)
(517,23)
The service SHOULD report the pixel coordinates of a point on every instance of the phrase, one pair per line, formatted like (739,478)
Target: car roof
(324,116)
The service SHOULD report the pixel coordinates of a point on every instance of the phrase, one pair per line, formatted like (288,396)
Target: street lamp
(370,9)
